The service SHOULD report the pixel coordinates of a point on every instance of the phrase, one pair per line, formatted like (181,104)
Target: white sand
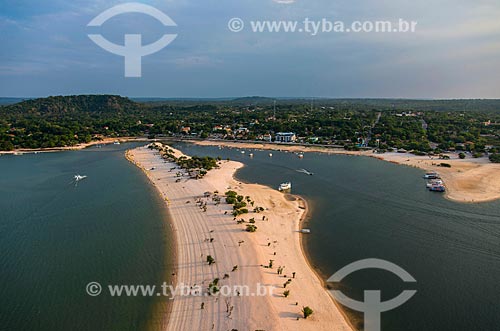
(193,227)
(470,180)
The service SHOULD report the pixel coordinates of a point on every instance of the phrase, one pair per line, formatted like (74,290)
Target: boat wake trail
(304,171)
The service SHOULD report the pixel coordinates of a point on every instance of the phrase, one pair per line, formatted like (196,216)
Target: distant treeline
(420,125)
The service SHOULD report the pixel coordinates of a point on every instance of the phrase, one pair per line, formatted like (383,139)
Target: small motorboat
(79,178)
(285,186)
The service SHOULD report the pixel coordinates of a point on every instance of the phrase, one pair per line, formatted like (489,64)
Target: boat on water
(285,186)
(434,182)
(437,188)
(79,178)
(116,143)
(431,175)
(301,156)
(251,154)
(270,154)
(306,231)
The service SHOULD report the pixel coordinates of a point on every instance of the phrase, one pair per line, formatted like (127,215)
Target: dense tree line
(468,125)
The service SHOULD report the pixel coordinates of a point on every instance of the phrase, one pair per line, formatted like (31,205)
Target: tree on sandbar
(210,260)
(307,311)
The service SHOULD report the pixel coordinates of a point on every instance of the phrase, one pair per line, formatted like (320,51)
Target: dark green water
(55,238)
(365,208)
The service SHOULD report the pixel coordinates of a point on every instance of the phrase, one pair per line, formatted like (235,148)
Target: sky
(454,53)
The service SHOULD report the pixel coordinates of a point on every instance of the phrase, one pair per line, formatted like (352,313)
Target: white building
(285,137)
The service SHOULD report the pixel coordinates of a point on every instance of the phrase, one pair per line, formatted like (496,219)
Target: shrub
(477,155)
(445,165)
(210,260)
(239,205)
(251,228)
(307,311)
(461,156)
(258,209)
(495,158)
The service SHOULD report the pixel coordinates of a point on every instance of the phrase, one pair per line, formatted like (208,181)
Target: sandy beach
(214,232)
(468,181)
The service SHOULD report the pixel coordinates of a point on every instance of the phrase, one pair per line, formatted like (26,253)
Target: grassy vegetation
(197,166)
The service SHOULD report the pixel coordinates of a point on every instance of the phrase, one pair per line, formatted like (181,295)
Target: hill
(72,104)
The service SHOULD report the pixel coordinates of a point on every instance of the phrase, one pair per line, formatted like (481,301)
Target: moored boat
(285,186)
(437,188)
(434,182)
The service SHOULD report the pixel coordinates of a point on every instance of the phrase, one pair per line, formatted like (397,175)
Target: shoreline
(467,181)
(351,320)
(284,220)
(163,313)
(303,222)
(316,270)
(105,141)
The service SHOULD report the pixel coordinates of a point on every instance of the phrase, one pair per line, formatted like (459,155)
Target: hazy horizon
(453,54)
(215,98)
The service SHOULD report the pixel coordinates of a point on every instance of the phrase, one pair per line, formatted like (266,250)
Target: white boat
(270,154)
(431,175)
(285,186)
(116,143)
(307,231)
(301,156)
(79,178)
(434,182)
(251,154)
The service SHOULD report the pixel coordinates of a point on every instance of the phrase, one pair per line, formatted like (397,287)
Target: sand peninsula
(204,227)
(467,181)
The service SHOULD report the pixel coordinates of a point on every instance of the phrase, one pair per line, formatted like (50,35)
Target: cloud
(285,2)
(195,61)
(45,49)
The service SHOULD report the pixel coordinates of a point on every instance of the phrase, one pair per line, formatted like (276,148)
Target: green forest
(414,125)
